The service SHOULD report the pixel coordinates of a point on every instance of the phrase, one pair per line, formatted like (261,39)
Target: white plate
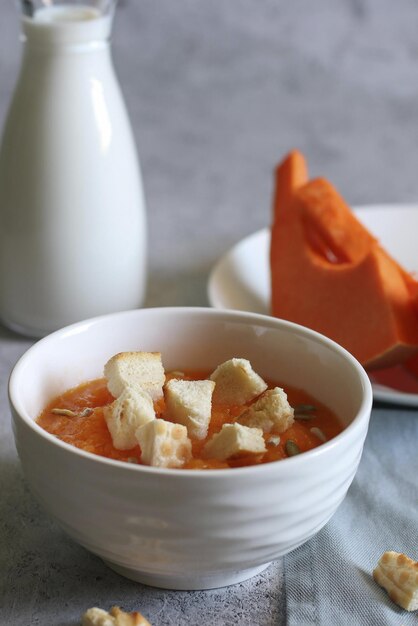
(241,279)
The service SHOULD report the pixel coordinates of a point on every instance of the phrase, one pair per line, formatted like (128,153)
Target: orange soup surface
(314,423)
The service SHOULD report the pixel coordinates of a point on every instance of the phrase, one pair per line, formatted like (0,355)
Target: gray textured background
(218,91)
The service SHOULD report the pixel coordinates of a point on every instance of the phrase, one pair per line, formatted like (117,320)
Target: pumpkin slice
(330,274)
(290,175)
(326,215)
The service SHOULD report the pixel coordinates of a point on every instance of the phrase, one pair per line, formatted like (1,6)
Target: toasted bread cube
(398,575)
(132,409)
(164,444)
(236,382)
(189,402)
(128,619)
(135,369)
(116,617)
(97,617)
(234,440)
(271,412)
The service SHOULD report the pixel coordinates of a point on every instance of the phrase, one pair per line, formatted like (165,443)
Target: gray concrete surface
(218,91)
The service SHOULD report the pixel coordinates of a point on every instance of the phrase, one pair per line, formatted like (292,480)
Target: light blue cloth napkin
(329,579)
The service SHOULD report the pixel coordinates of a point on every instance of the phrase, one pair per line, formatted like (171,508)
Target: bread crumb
(136,369)
(115,617)
(189,402)
(271,412)
(132,409)
(236,382)
(234,440)
(398,575)
(164,444)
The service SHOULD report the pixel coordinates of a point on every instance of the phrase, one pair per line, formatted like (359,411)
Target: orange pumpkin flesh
(330,274)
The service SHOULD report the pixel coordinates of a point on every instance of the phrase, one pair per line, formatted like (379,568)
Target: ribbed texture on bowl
(182,523)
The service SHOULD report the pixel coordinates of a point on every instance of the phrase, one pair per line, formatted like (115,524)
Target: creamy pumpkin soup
(227,418)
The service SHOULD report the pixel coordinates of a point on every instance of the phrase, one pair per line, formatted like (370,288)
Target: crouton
(234,440)
(236,382)
(164,444)
(137,369)
(128,619)
(398,575)
(132,409)
(189,402)
(97,617)
(116,617)
(271,412)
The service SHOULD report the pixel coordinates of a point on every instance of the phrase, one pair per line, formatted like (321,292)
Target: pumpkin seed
(69,413)
(302,408)
(291,448)
(306,417)
(66,412)
(319,433)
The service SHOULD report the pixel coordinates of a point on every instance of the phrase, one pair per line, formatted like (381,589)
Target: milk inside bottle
(72,214)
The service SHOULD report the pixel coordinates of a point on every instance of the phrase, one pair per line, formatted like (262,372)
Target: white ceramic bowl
(188,529)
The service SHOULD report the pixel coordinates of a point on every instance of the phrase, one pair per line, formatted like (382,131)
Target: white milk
(72,216)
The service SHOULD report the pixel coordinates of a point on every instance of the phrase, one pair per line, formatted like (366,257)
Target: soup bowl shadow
(189,529)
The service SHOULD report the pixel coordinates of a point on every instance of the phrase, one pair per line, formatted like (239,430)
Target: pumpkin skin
(330,274)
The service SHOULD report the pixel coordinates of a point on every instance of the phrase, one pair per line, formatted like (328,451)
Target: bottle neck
(67,27)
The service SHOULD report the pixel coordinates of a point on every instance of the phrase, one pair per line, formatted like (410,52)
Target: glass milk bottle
(72,215)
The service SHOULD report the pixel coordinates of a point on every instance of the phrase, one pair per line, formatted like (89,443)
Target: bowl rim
(363,413)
